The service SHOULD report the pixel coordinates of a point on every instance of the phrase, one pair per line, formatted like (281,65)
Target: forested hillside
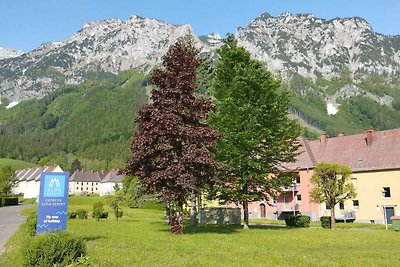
(93,122)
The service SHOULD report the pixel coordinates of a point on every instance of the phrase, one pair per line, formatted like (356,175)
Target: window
(77,188)
(327,206)
(274,200)
(298,199)
(298,179)
(386,192)
(96,188)
(286,199)
(92,189)
(96,183)
(82,183)
(81,188)
(92,183)
(87,183)
(356,205)
(341,205)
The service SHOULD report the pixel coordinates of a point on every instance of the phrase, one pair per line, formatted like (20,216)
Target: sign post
(53,202)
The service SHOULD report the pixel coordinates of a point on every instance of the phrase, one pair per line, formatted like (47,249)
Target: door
(262,211)
(389,213)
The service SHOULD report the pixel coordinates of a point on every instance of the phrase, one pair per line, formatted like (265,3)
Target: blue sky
(25,24)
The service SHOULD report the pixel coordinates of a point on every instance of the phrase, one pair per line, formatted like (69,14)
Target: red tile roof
(381,154)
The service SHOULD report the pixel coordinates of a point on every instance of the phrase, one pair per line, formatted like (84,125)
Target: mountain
(92,122)
(313,47)
(99,48)
(9,53)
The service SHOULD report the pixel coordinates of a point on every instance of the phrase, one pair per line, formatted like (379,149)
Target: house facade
(28,180)
(109,182)
(85,182)
(374,158)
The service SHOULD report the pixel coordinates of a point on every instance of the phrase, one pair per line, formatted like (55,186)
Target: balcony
(293,187)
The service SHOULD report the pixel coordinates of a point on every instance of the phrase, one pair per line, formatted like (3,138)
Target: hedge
(298,221)
(325,222)
(9,201)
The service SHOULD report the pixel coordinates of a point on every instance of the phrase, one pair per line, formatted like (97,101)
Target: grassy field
(15,164)
(142,239)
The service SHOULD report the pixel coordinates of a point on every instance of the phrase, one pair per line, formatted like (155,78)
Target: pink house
(294,199)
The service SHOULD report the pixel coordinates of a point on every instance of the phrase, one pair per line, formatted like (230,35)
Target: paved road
(9,222)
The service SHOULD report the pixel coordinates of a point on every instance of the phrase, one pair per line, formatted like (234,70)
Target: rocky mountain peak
(9,53)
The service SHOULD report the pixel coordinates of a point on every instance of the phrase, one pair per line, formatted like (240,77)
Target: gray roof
(113,177)
(85,176)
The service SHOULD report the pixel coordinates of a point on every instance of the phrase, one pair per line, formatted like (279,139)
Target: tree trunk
(246,214)
(168,213)
(193,211)
(180,218)
(117,214)
(333,220)
(199,203)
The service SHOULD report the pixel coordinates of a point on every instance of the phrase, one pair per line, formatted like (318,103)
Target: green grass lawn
(15,164)
(142,239)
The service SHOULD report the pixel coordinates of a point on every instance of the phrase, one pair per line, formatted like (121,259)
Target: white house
(109,182)
(85,182)
(28,180)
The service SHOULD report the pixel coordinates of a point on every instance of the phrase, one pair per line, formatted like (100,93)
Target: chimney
(368,136)
(322,138)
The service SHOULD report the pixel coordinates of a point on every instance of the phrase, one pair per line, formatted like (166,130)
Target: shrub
(72,215)
(98,209)
(298,221)
(31,224)
(10,201)
(104,215)
(81,261)
(51,249)
(82,214)
(325,222)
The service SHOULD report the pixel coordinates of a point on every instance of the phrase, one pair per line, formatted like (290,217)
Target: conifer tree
(251,113)
(171,145)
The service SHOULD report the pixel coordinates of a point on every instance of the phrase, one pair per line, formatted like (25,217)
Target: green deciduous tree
(171,145)
(332,186)
(7,180)
(251,113)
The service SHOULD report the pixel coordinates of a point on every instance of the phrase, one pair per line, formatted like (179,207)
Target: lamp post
(294,201)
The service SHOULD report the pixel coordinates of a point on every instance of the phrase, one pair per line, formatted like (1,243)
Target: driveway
(9,222)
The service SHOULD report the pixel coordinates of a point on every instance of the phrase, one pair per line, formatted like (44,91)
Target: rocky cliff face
(289,45)
(109,46)
(9,53)
(309,46)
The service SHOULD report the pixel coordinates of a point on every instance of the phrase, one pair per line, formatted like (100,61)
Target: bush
(81,261)
(31,224)
(104,215)
(98,209)
(72,215)
(10,201)
(82,214)
(51,249)
(325,222)
(298,221)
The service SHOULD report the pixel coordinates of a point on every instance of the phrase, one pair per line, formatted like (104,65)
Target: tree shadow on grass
(93,237)
(215,229)
(271,227)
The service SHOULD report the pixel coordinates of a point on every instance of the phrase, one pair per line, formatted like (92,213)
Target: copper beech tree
(171,145)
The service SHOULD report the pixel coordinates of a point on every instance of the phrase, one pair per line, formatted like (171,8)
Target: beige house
(85,182)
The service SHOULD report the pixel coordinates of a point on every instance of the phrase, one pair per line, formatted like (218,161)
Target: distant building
(109,182)
(85,182)
(28,180)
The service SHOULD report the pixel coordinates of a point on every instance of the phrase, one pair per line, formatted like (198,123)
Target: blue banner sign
(53,202)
